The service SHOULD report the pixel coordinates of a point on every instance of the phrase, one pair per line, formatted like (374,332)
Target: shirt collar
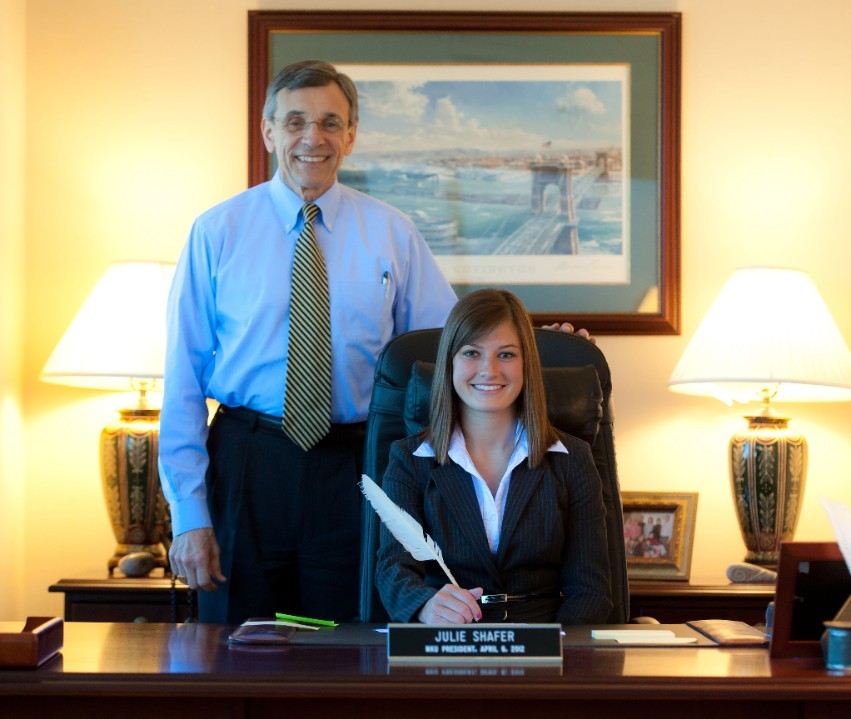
(289,204)
(457,442)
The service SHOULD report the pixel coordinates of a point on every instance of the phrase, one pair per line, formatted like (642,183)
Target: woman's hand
(452,605)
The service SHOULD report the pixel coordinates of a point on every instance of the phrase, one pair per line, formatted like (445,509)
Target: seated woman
(515,506)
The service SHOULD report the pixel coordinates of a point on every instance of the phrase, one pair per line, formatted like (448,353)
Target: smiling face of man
(310,135)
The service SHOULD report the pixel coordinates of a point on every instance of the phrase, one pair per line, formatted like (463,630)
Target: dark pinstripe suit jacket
(553,537)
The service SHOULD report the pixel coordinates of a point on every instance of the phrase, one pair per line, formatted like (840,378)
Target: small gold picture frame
(658,534)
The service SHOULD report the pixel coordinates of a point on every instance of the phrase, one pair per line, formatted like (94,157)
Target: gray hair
(310,73)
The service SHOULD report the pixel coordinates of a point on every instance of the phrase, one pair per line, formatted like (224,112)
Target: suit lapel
(456,488)
(524,484)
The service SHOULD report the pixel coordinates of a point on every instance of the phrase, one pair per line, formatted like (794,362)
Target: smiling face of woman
(487,373)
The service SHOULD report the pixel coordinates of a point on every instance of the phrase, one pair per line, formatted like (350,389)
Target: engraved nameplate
(500,643)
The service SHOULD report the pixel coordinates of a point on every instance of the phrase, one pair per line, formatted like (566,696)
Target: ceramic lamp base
(768,469)
(134,500)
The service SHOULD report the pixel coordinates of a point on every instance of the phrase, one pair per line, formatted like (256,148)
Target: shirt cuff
(188,514)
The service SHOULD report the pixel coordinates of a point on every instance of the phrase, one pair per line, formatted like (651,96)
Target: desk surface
(105,664)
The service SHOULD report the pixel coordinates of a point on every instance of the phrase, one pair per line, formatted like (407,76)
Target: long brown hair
(474,316)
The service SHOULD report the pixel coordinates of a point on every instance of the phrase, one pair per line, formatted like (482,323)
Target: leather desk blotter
(31,646)
(730,633)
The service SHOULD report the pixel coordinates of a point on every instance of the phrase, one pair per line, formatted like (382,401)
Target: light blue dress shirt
(228,316)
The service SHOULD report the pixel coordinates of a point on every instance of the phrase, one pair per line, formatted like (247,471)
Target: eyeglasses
(297,125)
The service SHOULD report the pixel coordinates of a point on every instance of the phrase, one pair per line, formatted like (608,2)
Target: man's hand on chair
(567,327)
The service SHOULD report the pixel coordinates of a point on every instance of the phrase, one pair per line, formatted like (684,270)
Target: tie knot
(309,211)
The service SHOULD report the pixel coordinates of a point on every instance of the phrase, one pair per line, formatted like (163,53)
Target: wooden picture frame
(642,294)
(659,534)
(813,584)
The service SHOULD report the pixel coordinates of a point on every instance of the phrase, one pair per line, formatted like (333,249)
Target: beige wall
(136,122)
(12,167)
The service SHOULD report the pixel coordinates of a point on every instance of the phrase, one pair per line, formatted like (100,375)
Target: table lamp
(116,341)
(768,337)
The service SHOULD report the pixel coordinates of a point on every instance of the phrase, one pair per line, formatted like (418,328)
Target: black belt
(258,420)
(504,598)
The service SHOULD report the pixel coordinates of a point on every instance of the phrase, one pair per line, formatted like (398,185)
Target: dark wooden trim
(791,555)
(668,28)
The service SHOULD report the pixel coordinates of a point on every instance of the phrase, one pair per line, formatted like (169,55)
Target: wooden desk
(174,671)
(679,602)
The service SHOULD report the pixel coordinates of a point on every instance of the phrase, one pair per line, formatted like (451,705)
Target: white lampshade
(768,329)
(117,338)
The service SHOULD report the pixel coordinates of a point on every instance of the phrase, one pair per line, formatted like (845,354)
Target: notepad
(641,636)
(634,633)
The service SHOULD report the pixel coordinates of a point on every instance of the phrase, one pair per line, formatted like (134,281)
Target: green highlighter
(304,620)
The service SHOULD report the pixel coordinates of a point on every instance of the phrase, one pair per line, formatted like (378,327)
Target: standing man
(264,513)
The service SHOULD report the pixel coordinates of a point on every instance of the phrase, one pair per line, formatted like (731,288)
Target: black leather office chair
(579,401)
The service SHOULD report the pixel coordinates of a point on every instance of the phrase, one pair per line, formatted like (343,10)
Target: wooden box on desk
(124,599)
(31,643)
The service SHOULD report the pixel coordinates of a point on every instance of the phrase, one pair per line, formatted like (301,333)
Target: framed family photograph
(658,534)
(534,151)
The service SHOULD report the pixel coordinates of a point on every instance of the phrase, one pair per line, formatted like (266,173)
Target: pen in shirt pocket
(386,280)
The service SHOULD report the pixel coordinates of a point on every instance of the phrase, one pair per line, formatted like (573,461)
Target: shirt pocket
(364,312)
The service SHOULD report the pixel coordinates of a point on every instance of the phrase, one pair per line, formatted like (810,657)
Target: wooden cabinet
(678,602)
(120,599)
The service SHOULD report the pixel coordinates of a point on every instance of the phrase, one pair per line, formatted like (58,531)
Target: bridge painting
(528,171)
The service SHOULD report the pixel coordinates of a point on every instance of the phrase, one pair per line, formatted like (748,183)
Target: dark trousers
(287,521)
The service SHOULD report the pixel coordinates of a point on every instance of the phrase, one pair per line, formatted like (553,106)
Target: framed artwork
(534,151)
(658,534)
(813,584)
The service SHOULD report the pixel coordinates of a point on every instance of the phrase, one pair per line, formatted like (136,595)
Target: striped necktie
(307,400)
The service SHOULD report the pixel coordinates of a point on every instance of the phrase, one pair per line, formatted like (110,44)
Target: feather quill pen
(839,516)
(403,526)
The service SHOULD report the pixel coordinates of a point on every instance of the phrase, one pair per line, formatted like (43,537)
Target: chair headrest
(574,399)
